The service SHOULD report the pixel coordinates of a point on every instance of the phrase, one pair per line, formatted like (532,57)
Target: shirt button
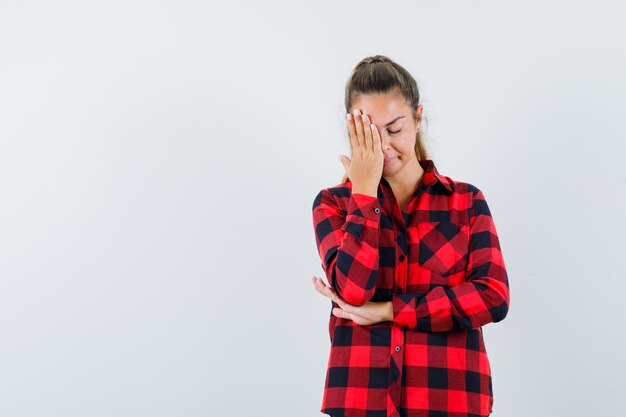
(398,291)
(377,210)
(401,257)
(397,348)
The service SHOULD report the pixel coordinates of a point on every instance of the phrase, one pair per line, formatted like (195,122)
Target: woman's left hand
(366,314)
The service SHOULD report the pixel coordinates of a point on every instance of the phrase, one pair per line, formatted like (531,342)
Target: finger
(329,292)
(321,280)
(324,289)
(316,284)
(320,287)
(352,130)
(340,313)
(345,306)
(345,161)
(316,281)
(358,125)
(376,143)
(367,132)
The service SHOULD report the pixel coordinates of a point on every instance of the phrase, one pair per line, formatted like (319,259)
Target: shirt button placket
(397,339)
(401,258)
(397,356)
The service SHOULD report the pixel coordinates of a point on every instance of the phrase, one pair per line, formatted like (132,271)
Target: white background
(159,161)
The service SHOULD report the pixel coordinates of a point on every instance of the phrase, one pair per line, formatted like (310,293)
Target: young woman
(413,262)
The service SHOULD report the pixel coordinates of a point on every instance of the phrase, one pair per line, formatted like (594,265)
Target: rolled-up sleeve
(483,297)
(348,244)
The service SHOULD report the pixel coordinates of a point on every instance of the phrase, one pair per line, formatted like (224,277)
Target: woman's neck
(407,180)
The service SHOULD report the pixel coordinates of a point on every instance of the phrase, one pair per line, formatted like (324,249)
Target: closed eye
(395,131)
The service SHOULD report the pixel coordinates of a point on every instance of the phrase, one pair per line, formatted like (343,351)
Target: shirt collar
(431,176)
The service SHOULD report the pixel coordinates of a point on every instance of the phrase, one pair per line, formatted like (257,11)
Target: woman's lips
(390,159)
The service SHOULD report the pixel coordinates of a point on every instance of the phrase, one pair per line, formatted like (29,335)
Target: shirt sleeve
(347,243)
(481,299)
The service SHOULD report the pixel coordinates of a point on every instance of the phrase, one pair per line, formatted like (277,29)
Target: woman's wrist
(389,311)
(371,191)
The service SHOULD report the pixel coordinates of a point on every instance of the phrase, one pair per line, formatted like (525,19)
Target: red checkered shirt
(439,262)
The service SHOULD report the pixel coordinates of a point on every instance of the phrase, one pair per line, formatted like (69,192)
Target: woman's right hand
(366,167)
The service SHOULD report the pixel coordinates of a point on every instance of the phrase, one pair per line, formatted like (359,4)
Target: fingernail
(349,116)
(364,117)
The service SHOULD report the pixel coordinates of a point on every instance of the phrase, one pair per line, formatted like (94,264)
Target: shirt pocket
(444,250)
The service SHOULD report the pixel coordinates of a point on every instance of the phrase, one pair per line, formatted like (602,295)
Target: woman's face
(396,126)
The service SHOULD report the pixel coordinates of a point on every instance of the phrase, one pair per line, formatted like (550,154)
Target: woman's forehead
(380,103)
(381,109)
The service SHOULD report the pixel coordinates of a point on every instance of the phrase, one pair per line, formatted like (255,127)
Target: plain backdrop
(159,161)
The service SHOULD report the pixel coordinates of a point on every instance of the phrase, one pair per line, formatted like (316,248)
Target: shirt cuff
(365,205)
(404,310)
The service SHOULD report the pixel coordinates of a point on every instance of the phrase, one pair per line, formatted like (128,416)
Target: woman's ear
(418,115)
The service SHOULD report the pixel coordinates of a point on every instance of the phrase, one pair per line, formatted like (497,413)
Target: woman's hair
(378,74)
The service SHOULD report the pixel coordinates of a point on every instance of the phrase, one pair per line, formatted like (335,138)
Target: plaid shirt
(438,261)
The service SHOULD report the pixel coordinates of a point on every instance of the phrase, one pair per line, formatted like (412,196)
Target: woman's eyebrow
(393,121)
